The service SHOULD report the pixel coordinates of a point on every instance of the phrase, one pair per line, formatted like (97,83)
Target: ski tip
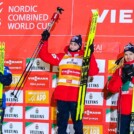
(96,11)
(2,45)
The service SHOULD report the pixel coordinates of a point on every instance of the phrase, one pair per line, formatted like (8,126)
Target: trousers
(64,110)
(123,124)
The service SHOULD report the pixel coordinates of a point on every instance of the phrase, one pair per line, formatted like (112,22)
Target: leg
(62,116)
(124,124)
(1,119)
(78,125)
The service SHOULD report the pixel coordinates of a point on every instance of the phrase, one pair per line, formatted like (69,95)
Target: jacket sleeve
(52,59)
(115,83)
(93,68)
(6,78)
(4,100)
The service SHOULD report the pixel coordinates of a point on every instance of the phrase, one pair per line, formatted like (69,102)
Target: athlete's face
(129,56)
(73,46)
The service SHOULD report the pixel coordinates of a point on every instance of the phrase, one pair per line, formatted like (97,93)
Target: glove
(1,76)
(45,35)
(92,48)
(129,70)
(127,73)
(125,78)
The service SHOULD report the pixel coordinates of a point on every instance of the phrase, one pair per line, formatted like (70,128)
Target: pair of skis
(2,56)
(85,67)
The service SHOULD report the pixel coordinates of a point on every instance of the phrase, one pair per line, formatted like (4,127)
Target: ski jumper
(69,71)
(116,84)
(125,99)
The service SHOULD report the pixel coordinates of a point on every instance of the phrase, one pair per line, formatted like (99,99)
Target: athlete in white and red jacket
(66,92)
(122,81)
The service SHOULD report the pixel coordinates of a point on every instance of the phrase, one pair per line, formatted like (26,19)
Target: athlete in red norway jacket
(125,99)
(122,81)
(67,88)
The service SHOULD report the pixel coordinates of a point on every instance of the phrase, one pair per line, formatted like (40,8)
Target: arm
(6,78)
(4,100)
(93,68)
(52,59)
(115,82)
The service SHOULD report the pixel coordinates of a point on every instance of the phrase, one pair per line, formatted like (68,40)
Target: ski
(2,56)
(132,115)
(85,67)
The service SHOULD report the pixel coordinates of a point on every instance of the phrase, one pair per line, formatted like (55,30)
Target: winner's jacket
(115,85)
(69,71)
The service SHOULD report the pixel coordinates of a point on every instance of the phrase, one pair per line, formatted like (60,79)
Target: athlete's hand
(127,73)
(92,48)
(45,35)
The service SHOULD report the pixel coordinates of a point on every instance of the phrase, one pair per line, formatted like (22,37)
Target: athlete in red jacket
(66,92)
(122,81)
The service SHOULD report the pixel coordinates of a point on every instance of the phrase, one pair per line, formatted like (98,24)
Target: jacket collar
(130,62)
